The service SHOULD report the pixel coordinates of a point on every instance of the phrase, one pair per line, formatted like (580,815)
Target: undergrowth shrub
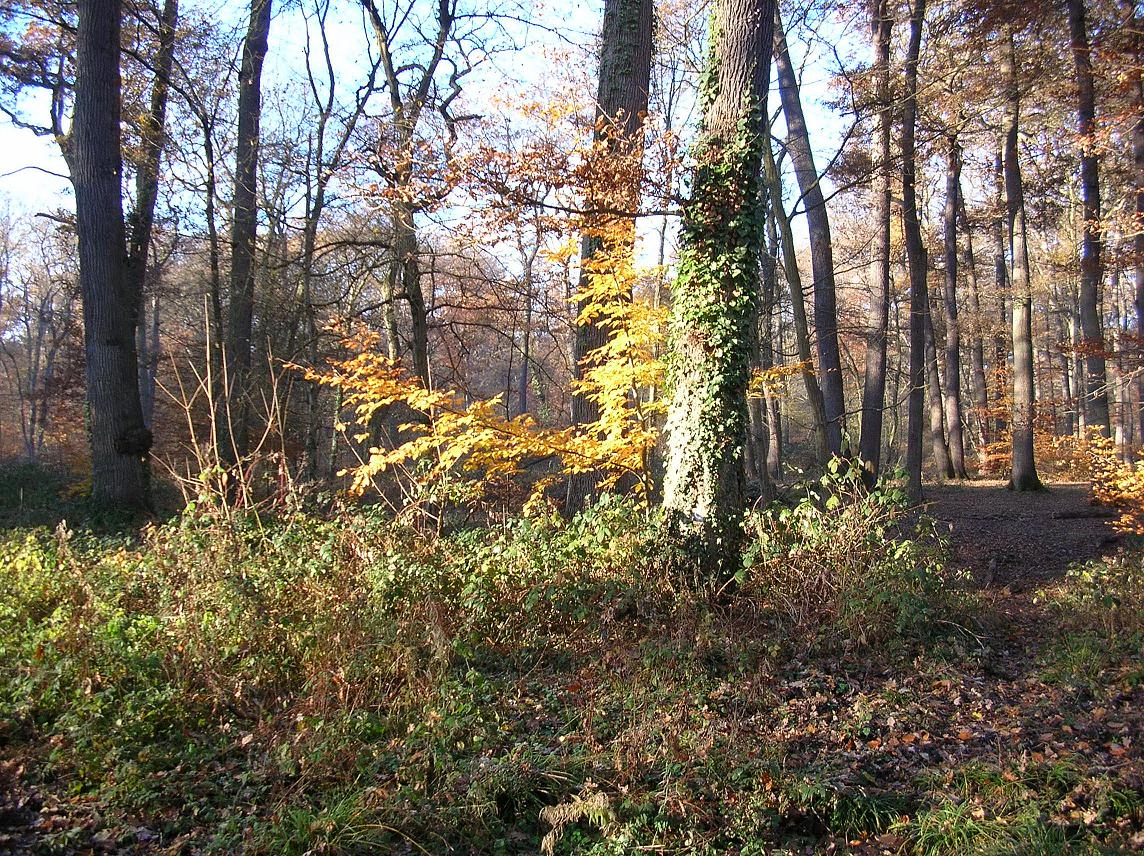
(845,562)
(1108,593)
(345,682)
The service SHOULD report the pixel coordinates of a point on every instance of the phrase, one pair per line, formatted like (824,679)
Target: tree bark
(979,387)
(797,302)
(952,393)
(943,462)
(1138,240)
(1091,266)
(715,292)
(874,381)
(621,106)
(916,253)
(821,245)
(1024,474)
(235,417)
(1001,282)
(120,441)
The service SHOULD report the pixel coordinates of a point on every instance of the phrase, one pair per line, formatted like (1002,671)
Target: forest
(610,427)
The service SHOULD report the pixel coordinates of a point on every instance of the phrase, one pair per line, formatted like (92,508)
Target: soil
(1019,541)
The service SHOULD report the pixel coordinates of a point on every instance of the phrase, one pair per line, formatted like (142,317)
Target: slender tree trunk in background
(918,259)
(771,304)
(941,456)
(526,345)
(1067,381)
(874,382)
(216,324)
(621,105)
(821,245)
(1138,240)
(147,334)
(894,454)
(152,142)
(1078,372)
(978,385)
(715,292)
(235,415)
(1001,282)
(952,400)
(758,451)
(797,303)
(1091,267)
(141,223)
(1024,475)
(120,441)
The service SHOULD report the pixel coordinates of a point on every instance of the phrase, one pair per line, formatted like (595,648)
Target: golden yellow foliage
(1116,483)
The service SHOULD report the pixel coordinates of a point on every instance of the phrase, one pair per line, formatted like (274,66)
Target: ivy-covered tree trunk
(714,296)
(1024,474)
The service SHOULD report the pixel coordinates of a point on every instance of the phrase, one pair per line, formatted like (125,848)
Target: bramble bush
(331,683)
(847,562)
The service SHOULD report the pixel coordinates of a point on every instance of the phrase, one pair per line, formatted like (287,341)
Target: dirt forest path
(1019,541)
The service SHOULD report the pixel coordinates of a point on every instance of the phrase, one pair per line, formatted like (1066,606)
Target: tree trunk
(797,302)
(943,463)
(771,304)
(120,441)
(759,436)
(621,105)
(1091,267)
(1138,240)
(874,382)
(952,399)
(244,231)
(1024,474)
(821,246)
(978,385)
(153,141)
(918,259)
(714,300)
(1001,281)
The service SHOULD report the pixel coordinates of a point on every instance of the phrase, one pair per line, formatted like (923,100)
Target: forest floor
(1020,541)
(1019,733)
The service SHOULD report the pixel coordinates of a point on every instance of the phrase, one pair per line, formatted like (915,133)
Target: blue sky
(32,181)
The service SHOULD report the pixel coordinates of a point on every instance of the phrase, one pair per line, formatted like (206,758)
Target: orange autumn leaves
(1117,484)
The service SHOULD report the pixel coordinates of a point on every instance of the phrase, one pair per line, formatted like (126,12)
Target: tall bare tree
(821,244)
(916,252)
(621,105)
(234,416)
(874,380)
(1024,473)
(952,391)
(1091,265)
